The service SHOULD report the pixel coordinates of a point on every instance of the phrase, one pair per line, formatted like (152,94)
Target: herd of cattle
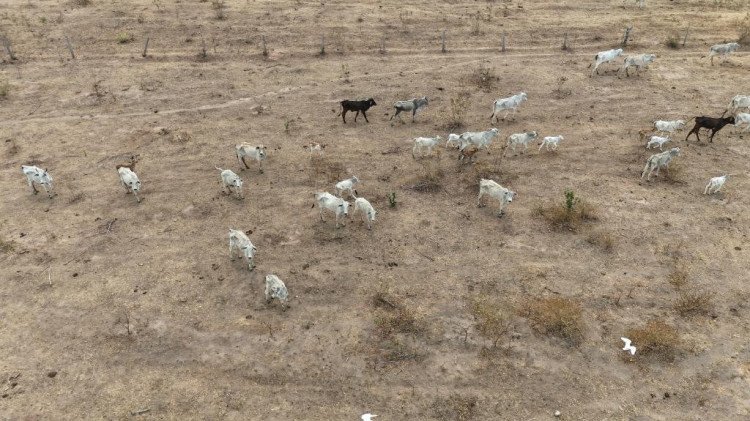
(467,143)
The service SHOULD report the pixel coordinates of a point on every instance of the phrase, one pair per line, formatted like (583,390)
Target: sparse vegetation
(219,6)
(397,324)
(562,91)
(457,112)
(392,199)
(4,89)
(657,340)
(673,173)
(568,216)
(322,166)
(6,246)
(743,29)
(556,316)
(693,303)
(124,38)
(601,239)
(345,73)
(484,78)
(489,319)
(455,407)
(431,180)
(677,278)
(81,2)
(672,42)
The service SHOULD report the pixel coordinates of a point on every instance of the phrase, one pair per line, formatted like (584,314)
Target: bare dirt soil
(113,309)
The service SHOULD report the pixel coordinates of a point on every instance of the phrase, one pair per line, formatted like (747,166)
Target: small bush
(489,320)
(392,199)
(656,340)
(431,180)
(674,173)
(401,319)
(484,78)
(333,171)
(678,278)
(4,89)
(601,239)
(459,104)
(124,38)
(455,407)
(218,6)
(560,317)
(672,42)
(6,246)
(81,2)
(693,303)
(569,215)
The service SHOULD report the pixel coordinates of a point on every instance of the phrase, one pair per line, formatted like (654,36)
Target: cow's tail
(341,110)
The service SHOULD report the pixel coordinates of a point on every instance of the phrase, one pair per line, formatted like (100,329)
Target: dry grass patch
(333,171)
(693,303)
(569,215)
(456,118)
(678,278)
(124,38)
(397,327)
(455,407)
(601,239)
(4,89)
(484,78)
(7,246)
(489,319)
(657,340)
(556,316)
(431,180)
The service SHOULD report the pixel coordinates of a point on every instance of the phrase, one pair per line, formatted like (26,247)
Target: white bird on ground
(368,417)
(627,346)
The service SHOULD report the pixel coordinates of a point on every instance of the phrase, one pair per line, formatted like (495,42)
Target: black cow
(710,123)
(358,106)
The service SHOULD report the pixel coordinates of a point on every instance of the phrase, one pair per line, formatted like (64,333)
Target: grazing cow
(454,141)
(275,288)
(332,203)
(495,191)
(657,141)
(639,61)
(552,142)
(230,181)
(315,147)
(722,50)
(604,57)
(710,123)
(257,153)
(658,161)
(40,176)
(506,104)
(521,139)
(359,106)
(742,118)
(421,143)
(347,186)
(715,184)
(482,140)
(129,181)
(368,212)
(738,102)
(238,242)
(669,126)
(413,105)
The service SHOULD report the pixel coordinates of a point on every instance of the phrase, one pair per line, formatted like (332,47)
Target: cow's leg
(33,189)
(713,132)
(260,165)
(355,116)
(364,113)
(413,114)
(138,199)
(244,163)
(47,190)
(231,251)
(343,115)
(394,115)
(479,199)
(706,190)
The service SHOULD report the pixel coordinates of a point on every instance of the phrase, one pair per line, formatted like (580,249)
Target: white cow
(552,142)
(481,140)
(657,141)
(130,181)
(368,212)
(40,176)
(715,184)
(257,153)
(275,288)
(640,61)
(742,118)
(658,161)
(495,191)
(230,181)
(347,186)
(238,242)
(722,50)
(669,126)
(739,102)
(604,57)
(506,104)
(521,139)
(421,143)
(332,203)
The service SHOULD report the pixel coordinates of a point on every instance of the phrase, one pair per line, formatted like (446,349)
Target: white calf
(368,212)
(742,118)
(238,242)
(230,181)
(130,181)
(521,139)
(506,104)
(669,126)
(481,140)
(424,143)
(657,141)
(604,57)
(715,184)
(37,175)
(552,142)
(347,185)
(275,288)
(257,153)
(640,61)
(722,50)
(658,161)
(334,204)
(739,102)
(495,191)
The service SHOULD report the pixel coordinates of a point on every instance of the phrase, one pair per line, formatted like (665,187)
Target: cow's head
(343,208)
(522,95)
(509,196)
(532,134)
(728,120)
(674,151)
(135,185)
(261,150)
(371,102)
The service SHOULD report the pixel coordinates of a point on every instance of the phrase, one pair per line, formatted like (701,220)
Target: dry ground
(138,307)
